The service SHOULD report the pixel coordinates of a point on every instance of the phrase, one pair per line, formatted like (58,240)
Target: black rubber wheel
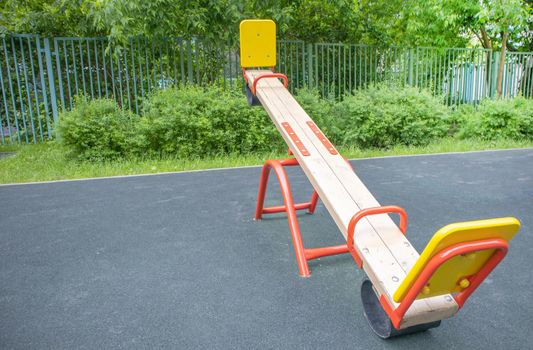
(251,98)
(378,319)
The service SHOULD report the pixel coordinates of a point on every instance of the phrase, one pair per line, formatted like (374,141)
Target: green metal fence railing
(39,77)
(25,103)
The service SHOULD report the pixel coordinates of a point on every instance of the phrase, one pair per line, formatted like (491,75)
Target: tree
(502,17)
(210,19)
(438,23)
(48,17)
(494,22)
(407,23)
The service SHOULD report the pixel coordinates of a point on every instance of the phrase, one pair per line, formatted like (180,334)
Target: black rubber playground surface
(176,261)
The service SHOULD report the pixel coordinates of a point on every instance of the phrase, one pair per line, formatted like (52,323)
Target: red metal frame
(270,75)
(303,255)
(499,245)
(266,75)
(367,212)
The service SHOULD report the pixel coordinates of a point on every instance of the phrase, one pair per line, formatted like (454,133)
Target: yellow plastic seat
(452,276)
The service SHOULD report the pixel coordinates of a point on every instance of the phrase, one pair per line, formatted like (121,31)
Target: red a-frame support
(303,255)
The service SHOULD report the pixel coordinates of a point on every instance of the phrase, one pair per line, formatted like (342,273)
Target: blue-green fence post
(410,67)
(51,82)
(494,73)
(189,63)
(40,51)
(59,78)
(310,65)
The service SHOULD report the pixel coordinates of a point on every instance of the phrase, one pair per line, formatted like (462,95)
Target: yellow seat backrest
(450,276)
(258,43)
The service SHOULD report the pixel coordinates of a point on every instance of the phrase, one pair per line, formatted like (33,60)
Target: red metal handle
(372,211)
(499,245)
(270,75)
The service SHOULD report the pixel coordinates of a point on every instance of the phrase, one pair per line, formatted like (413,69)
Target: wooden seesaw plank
(395,241)
(378,250)
(387,255)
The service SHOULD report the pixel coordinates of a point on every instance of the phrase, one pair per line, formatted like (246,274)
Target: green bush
(196,122)
(383,116)
(495,119)
(99,129)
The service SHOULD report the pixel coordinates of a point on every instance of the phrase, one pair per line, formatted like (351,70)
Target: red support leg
(313,203)
(302,254)
(260,209)
(299,249)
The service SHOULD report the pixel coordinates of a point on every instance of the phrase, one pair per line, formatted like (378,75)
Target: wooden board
(387,255)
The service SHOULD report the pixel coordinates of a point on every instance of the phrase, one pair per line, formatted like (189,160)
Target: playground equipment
(405,292)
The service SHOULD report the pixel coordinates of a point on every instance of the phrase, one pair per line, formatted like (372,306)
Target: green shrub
(495,119)
(383,116)
(99,129)
(196,122)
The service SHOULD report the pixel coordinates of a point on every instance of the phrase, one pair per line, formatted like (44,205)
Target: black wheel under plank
(251,98)
(379,320)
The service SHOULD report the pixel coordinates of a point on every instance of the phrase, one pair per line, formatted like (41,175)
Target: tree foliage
(496,24)
(211,19)
(375,22)
(48,17)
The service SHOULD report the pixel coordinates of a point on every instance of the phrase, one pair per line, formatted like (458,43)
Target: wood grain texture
(387,254)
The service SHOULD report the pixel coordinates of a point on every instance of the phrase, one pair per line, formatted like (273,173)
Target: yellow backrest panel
(258,43)
(447,279)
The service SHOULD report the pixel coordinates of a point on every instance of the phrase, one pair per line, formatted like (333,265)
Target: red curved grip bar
(270,75)
(372,211)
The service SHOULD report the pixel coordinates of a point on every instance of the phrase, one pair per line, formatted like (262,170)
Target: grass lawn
(49,161)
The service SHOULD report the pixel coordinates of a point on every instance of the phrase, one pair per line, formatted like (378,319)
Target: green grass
(49,161)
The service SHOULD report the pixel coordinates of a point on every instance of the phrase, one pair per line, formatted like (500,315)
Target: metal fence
(39,77)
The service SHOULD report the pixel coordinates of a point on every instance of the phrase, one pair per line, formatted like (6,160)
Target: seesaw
(405,292)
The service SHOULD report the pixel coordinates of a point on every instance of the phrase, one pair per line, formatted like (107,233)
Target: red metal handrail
(372,211)
(501,246)
(269,75)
